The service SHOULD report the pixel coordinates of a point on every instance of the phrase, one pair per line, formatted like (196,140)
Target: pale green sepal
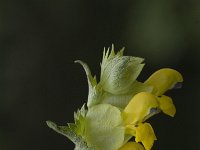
(122,100)
(103,128)
(119,101)
(138,87)
(118,72)
(95,90)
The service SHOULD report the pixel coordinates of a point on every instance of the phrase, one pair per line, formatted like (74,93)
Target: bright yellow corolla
(164,79)
(139,107)
(144,105)
(132,146)
(146,135)
(135,113)
(166,105)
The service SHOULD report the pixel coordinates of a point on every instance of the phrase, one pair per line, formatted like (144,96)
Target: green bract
(103,128)
(74,131)
(119,72)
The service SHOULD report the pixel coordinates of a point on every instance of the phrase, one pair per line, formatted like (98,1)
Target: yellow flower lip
(166,105)
(163,80)
(132,146)
(146,135)
(139,107)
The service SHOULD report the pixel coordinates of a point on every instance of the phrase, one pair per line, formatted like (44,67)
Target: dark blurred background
(40,39)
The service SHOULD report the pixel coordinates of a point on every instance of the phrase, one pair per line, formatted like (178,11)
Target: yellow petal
(164,79)
(132,146)
(139,107)
(166,105)
(146,135)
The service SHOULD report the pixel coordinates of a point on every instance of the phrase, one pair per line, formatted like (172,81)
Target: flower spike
(118,105)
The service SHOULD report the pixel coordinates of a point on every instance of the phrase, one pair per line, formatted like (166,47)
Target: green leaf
(64,130)
(69,131)
(103,128)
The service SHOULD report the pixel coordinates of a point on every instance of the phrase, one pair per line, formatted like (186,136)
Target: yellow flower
(166,105)
(132,146)
(163,80)
(144,105)
(135,114)
(139,107)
